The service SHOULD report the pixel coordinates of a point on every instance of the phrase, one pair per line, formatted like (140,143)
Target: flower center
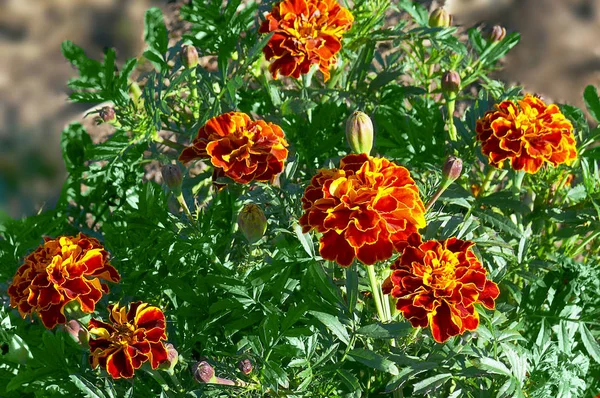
(441,270)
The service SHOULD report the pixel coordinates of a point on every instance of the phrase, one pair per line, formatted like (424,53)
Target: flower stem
(184,205)
(376,292)
(486,182)
(437,194)
(194,94)
(451,105)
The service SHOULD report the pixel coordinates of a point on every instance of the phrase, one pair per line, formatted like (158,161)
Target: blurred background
(558,56)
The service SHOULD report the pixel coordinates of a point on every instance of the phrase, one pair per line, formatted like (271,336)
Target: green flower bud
(107,114)
(452,168)
(252,222)
(497,33)
(359,132)
(451,82)
(440,18)
(189,56)
(171,174)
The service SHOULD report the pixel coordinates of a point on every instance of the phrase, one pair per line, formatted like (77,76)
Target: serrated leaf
(592,102)
(589,342)
(493,366)
(333,324)
(373,360)
(88,389)
(430,383)
(349,380)
(385,331)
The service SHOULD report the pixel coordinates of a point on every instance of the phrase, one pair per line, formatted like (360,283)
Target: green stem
(169,143)
(376,292)
(451,105)
(194,94)
(486,182)
(184,205)
(444,185)
(517,182)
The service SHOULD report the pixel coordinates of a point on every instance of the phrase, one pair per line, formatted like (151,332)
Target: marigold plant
(132,337)
(243,149)
(58,272)
(366,209)
(528,133)
(306,33)
(438,283)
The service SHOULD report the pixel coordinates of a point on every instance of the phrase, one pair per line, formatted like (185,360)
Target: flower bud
(189,56)
(452,168)
(440,18)
(451,82)
(78,333)
(107,114)
(245,366)
(497,33)
(252,222)
(203,372)
(359,132)
(172,358)
(171,174)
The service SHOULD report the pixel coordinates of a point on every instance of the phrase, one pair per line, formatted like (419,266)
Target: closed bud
(171,174)
(252,222)
(440,18)
(78,333)
(172,358)
(245,366)
(359,132)
(497,33)
(107,114)
(451,82)
(189,56)
(203,372)
(452,168)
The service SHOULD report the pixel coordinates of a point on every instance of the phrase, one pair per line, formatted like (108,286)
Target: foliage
(309,326)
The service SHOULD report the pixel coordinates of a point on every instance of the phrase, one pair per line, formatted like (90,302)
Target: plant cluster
(344,233)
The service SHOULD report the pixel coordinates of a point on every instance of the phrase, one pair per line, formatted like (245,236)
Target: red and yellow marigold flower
(131,338)
(438,283)
(366,209)
(58,272)
(306,33)
(243,149)
(527,133)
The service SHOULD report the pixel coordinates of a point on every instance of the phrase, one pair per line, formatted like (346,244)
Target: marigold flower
(243,149)
(529,133)
(133,337)
(366,209)
(61,270)
(438,283)
(306,32)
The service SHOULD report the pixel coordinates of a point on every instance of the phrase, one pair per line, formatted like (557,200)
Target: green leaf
(88,389)
(305,240)
(385,330)
(333,324)
(592,102)
(589,342)
(349,380)
(415,10)
(156,37)
(431,382)
(493,366)
(352,287)
(74,142)
(373,360)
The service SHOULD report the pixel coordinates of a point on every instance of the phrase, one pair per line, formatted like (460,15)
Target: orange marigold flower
(306,32)
(438,283)
(133,337)
(366,209)
(243,149)
(61,270)
(528,133)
